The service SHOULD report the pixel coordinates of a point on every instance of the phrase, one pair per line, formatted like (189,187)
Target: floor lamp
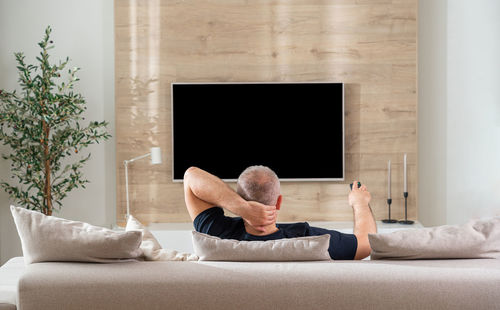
(155,160)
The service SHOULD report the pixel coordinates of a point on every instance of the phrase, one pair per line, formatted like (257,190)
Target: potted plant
(41,125)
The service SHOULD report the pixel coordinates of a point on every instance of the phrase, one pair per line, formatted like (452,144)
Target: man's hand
(359,196)
(259,215)
(364,223)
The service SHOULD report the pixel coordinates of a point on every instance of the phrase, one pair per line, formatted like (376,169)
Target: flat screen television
(296,129)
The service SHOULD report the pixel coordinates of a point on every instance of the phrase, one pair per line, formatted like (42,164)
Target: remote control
(359,185)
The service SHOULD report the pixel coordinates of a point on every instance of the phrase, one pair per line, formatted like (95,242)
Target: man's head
(261,184)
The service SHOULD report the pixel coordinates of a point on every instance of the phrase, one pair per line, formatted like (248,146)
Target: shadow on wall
(352,125)
(10,244)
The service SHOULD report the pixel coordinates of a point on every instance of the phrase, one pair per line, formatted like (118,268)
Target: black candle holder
(406,221)
(389,220)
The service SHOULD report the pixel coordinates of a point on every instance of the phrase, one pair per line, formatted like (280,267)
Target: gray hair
(259,183)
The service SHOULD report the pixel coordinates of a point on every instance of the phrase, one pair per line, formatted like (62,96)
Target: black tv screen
(296,129)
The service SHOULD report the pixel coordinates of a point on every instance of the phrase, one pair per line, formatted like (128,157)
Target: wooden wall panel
(371,45)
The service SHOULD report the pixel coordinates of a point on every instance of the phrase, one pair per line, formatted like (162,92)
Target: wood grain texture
(371,45)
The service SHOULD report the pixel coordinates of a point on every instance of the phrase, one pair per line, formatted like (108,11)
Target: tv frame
(281,179)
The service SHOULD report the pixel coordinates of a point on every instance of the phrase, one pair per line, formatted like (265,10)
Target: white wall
(473,109)
(82,30)
(432,98)
(459,110)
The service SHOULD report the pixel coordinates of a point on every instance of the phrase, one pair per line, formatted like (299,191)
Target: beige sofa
(383,284)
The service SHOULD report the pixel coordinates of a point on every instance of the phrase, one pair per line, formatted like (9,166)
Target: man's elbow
(189,173)
(362,253)
(364,249)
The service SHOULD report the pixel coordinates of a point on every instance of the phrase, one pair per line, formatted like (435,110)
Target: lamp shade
(155,155)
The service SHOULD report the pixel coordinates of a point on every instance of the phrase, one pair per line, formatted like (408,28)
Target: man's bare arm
(364,223)
(203,190)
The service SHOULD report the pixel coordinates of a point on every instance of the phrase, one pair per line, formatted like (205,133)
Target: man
(257,200)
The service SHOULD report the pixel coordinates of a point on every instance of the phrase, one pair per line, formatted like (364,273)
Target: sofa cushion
(292,249)
(475,239)
(151,248)
(48,238)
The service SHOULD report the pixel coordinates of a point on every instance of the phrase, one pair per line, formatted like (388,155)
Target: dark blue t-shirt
(213,222)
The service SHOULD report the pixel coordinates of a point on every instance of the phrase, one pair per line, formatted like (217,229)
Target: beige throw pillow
(151,247)
(48,238)
(293,249)
(475,239)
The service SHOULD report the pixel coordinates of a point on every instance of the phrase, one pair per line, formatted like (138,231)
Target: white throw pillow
(292,249)
(151,247)
(48,238)
(475,239)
